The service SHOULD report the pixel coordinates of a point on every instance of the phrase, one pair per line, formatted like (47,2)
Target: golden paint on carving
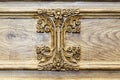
(40,54)
(72,24)
(73,54)
(58,22)
(44,24)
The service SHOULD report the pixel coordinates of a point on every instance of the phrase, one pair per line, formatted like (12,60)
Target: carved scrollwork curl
(44,24)
(59,64)
(72,24)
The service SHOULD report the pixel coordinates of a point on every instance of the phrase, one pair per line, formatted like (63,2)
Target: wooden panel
(99,42)
(18,39)
(99,39)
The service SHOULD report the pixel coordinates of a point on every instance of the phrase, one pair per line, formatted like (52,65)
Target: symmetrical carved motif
(58,22)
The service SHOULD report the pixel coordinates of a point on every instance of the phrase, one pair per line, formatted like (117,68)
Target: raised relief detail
(45,25)
(73,54)
(58,22)
(72,24)
(43,54)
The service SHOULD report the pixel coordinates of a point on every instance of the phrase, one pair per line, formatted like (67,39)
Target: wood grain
(18,42)
(54,75)
(99,40)
(99,37)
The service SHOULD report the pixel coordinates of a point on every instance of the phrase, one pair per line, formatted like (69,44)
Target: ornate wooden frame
(58,22)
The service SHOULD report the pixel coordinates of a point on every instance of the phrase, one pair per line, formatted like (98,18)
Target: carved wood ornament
(58,22)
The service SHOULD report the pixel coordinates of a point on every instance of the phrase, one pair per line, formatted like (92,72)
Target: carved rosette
(58,21)
(43,54)
(73,54)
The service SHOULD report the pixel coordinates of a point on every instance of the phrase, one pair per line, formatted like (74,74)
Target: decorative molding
(62,20)
(86,12)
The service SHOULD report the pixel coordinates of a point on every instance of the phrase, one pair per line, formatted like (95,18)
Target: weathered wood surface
(99,41)
(77,4)
(54,75)
(18,42)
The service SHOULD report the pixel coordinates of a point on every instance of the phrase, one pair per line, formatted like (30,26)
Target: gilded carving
(58,64)
(73,54)
(58,21)
(44,24)
(43,54)
(72,24)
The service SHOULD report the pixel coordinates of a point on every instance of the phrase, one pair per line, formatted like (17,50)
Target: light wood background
(99,41)
(18,42)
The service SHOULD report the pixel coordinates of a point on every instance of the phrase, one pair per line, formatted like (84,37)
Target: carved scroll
(71,25)
(58,22)
(44,24)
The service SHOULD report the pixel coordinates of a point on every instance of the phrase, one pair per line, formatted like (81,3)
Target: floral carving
(62,20)
(73,54)
(59,64)
(43,54)
(44,24)
(72,24)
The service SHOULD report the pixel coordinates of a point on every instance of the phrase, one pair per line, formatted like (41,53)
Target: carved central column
(58,22)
